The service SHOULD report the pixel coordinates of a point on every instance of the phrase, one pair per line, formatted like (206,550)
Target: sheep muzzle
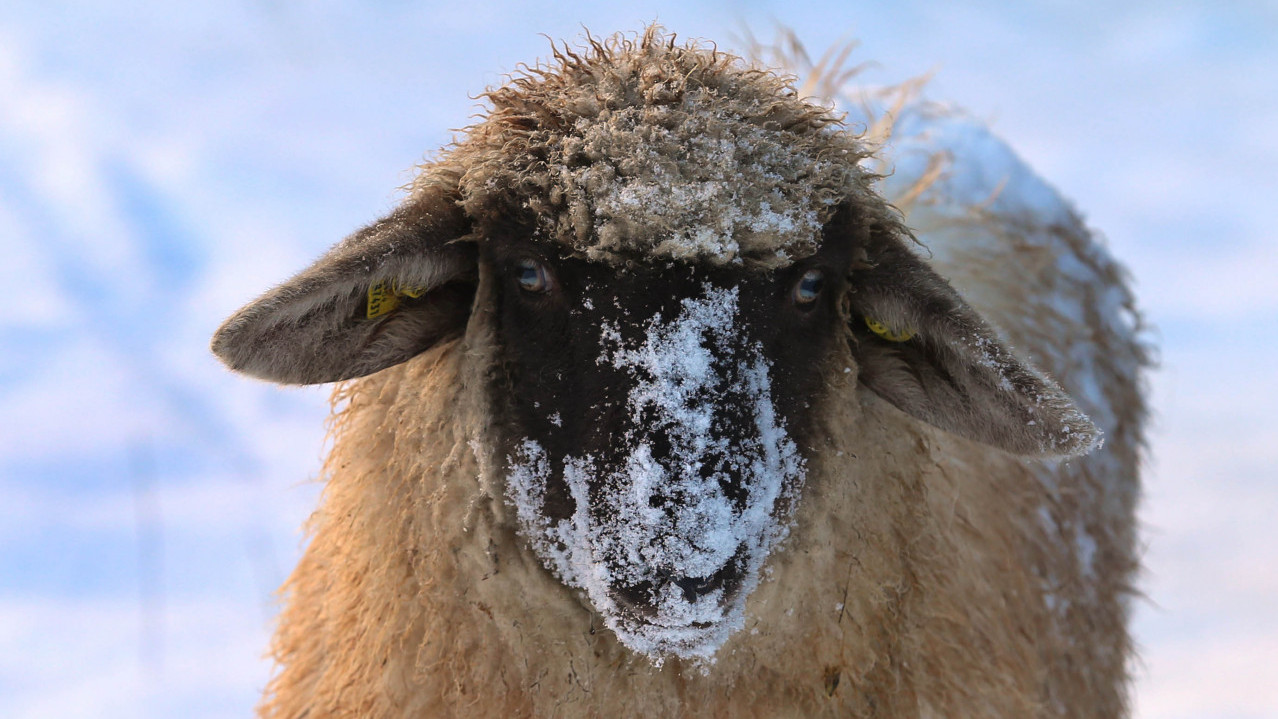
(667,522)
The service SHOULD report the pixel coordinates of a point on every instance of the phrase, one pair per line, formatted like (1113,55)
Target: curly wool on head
(641,148)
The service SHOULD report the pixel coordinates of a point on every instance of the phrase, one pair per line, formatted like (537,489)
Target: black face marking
(684,386)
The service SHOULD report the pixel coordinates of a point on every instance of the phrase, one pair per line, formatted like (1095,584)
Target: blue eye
(808,287)
(534,276)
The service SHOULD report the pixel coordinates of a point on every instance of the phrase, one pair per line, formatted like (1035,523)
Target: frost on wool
(679,516)
(676,177)
(648,151)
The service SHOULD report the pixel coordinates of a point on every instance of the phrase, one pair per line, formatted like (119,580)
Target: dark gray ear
(921,347)
(379,297)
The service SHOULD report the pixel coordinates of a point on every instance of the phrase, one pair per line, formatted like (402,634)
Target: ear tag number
(383,297)
(886,332)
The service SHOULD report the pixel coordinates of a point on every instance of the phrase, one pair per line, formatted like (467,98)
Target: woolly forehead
(693,158)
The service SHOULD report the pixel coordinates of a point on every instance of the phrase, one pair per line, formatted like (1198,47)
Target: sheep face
(671,253)
(654,418)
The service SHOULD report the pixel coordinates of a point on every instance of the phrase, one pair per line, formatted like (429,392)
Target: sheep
(649,404)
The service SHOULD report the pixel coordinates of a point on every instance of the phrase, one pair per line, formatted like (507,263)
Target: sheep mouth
(665,601)
(688,617)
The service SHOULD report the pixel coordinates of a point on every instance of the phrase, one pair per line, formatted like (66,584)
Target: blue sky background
(161,164)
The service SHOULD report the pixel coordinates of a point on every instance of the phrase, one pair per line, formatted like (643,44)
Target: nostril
(635,598)
(693,587)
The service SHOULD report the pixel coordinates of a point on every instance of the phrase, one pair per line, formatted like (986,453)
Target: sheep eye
(534,276)
(808,287)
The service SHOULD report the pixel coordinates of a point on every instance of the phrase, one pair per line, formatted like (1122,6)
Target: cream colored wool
(643,149)
(920,578)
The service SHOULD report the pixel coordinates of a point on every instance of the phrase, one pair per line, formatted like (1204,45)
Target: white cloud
(61,135)
(1214,675)
(28,276)
(77,399)
(80,658)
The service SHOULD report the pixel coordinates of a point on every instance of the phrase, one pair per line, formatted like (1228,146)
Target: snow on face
(667,539)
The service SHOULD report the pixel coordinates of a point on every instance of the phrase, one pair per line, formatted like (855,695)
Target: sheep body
(924,574)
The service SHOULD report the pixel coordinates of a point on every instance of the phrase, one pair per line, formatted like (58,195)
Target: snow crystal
(670,517)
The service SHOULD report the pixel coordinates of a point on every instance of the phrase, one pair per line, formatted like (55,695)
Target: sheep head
(677,253)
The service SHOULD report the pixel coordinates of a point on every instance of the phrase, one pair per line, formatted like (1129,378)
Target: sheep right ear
(921,347)
(384,294)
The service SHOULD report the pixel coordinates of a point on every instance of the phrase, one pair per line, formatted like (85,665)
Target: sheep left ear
(921,347)
(386,293)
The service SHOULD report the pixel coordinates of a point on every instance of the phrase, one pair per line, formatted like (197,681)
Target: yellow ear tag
(886,332)
(410,292)
(383,297)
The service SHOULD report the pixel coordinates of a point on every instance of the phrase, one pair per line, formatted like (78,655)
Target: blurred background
(161,164)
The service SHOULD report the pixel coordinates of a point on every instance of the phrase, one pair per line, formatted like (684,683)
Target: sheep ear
(382,295)
(921,347)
